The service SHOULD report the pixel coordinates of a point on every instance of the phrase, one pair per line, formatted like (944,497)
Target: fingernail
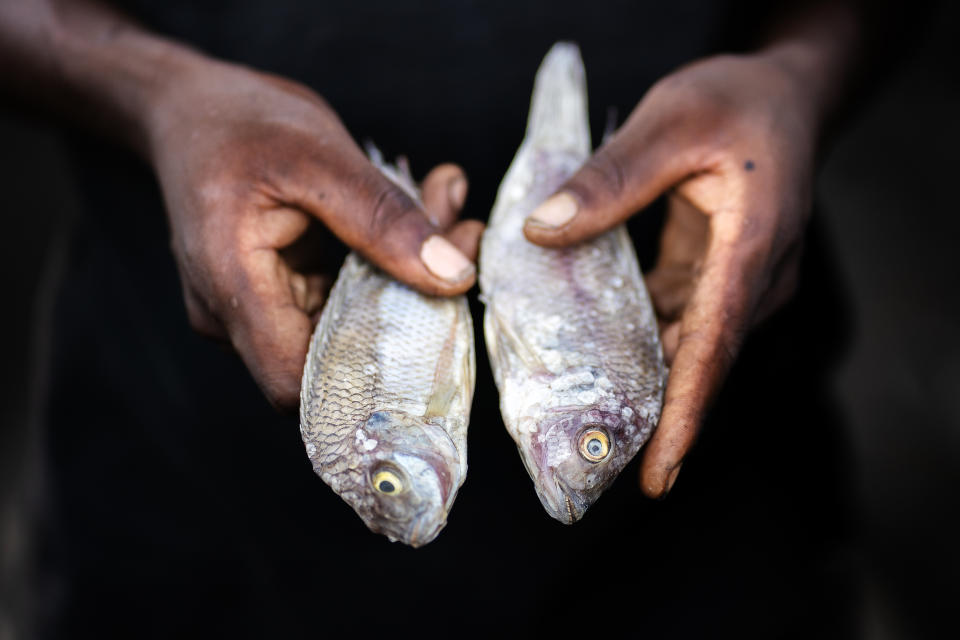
(555,212)
(672,477)
(444,260)
(457,192)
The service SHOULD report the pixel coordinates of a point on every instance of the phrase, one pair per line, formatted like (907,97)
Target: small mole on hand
(749,166)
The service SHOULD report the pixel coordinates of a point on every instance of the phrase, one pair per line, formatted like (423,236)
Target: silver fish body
(571,332)
(385,400)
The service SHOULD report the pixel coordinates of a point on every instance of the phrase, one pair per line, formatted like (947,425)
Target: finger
(444,192)
(267,326)
(383,223)
(670,339)
(708,338)
(670,288)
(200,318)
(682,245)
(310,291)
(784,286)
(625,175)
(465,235)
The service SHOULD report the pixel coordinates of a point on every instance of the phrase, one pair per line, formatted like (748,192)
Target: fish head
(575,454)
(410,477)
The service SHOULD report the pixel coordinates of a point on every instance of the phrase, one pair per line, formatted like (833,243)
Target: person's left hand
(732,140)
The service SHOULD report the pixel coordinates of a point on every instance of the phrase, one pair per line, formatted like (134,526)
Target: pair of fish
(571,334)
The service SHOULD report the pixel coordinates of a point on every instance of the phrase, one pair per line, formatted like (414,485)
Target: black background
(160,495)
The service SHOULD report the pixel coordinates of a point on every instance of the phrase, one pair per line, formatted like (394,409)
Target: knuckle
(603,171)
(446,171)
(719,345)
(718,333)
(692,97)
(222,186)
(392,208)
(215,265)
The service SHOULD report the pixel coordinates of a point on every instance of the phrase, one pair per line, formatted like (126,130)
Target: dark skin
(246,160)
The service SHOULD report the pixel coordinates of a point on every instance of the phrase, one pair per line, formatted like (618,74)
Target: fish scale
(571,332)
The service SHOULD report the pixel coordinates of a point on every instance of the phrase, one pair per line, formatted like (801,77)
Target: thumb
(626,174)
(382,222)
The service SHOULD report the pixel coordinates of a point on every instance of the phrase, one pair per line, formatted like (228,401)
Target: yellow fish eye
(594,445)
(387,482)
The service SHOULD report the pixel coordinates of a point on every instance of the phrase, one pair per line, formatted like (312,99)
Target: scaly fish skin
(385,400)
(571,332)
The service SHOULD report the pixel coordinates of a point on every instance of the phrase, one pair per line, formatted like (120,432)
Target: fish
(385,397)
(571,332)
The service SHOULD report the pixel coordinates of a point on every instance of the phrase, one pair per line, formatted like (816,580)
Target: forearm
(82,60)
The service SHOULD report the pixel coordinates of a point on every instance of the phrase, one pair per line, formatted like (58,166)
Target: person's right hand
(245,160)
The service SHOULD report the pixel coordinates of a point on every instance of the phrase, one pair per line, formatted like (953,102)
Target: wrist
(117,74)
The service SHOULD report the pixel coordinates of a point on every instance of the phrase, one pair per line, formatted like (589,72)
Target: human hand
(732,140)
(245,161)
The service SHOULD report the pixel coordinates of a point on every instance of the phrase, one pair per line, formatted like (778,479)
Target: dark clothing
(183,504)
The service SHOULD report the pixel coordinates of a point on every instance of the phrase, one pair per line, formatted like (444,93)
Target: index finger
(267,327)
(712,330)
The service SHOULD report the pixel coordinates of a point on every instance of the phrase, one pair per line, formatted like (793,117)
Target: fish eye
(387,482)
(594,445)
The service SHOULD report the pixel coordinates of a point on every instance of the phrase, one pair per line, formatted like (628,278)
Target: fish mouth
(558,500)
(416,531)
(425,528)
(562,503)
